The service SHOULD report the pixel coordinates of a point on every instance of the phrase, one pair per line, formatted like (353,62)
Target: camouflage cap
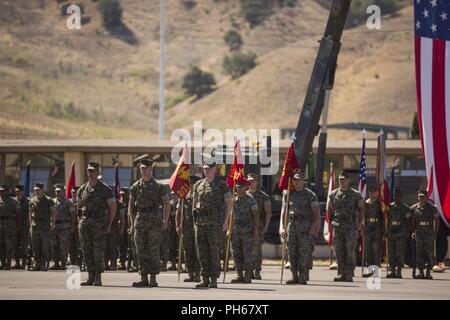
(299,176)
(20,187)
(38,186)
(93,165)
(422,193)
(145,163)
(59,187)
(3,187)
(209,164)
(343,175)
(253,177)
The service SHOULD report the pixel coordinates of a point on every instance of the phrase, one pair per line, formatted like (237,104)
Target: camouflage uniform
(74,241)
(172,235)
(60,235)
(373,232)
(397,233)
(8,209)
(345,228)
(190,248)
(40,228)
(210,198)
(147,224)
(242,242)
(23,232)
(112,238)
(424,218)
(93,203)
(299,242)
(261,199)
(123,238)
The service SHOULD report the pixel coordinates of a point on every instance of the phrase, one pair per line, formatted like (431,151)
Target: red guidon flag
(289,168)
(179,181)
(237,169)
(71,182)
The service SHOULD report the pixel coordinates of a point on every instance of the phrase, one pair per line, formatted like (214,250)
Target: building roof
(412,147)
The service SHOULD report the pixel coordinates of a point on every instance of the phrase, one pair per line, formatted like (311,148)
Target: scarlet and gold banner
(179,181)
(290,167)
(237,169)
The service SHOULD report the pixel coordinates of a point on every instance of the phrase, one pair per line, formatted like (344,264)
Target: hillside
(56,82)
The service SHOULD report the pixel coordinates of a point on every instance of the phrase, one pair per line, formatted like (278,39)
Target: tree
(239,64)
(111,12)
(255,11)
(198,83)
(233,39)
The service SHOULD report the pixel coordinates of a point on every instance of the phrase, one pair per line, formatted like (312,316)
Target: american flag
(362,188)
(432,53)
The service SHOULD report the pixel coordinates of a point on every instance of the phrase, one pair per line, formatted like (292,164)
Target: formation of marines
(142,228)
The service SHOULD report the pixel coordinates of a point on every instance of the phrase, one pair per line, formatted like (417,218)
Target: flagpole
(230,225)
(283,249)
(180,244)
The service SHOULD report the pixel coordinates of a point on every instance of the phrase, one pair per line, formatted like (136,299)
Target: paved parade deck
(17,284)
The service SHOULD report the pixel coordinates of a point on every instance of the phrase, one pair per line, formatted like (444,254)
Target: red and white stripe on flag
(432,56)
(327,230)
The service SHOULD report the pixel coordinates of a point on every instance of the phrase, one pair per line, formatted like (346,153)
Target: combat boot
(98,279)
(428,275)
(248,277)
(420,275)
(239,278)
(190,278)
(252,275)
(123,266)
(294,279)
(204,283)
(89,281)
(257,275)
(197,276)
(302,278)
(307,274)
(399,273)
(143,283)
(55,266)
(7,265)
(392,274)
(63,266)
(340,278)
(349,276)
(113,266)
(164,266)
(173,266)
(44,267)
(16,264)
(153,282)
(213,283)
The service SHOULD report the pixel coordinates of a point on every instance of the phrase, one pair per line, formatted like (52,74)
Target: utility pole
(162,67)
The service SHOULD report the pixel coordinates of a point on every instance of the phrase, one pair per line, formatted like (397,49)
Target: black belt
(147,210)
(6,218)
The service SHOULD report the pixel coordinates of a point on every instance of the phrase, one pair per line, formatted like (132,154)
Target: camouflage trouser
(173,242)
(7,238)
(373,246)
(345,244)
(112,242)
(74,248)
(22,243)
(147,236)
(164,246)
(132,244)
(257,251)
(396,250)
(59,241)
(424,251)
(208,242)
(93,242)
(299,246)
(40,241)
(242,245)
(190,249)
(123,246)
